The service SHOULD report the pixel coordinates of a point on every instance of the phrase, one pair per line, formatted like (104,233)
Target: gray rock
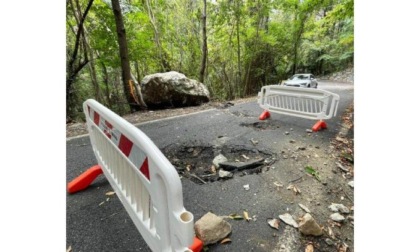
(219,159)
(308,226)
(337,217)
(286,133)
(304,208)
(288,219)
(329,241)
(173,89)
(339,208)
(225,174)
(351,184)
(211,228)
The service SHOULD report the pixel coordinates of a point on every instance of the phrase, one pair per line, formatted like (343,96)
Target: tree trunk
(125,63)
(204,58)
(238,80)
(72,68)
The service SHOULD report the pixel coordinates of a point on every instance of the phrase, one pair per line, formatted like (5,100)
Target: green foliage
(250,43)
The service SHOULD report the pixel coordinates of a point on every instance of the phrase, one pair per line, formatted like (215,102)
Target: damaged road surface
(278,168)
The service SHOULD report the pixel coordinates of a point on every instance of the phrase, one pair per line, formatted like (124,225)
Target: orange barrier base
(84,179)
(319,125)
(264,115)
(197,245)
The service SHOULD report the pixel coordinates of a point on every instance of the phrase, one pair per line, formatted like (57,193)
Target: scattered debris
(246,217)
(288,219)
(308,226)
(230,166)
(309,248)
(211,228)
(351,184)
(286,133)
(339,208)
(110,193)
(254,142)
(278,185)
(337,217)
(340,139)
(219,159)
(236,216)
(213,169)
(274,223)
(294,188)
(329,242)
(225,174)
(246,187)
(304,208)
(308,130)
(313,172)
(226,240)
(342,167)
(342,247)
(68,249)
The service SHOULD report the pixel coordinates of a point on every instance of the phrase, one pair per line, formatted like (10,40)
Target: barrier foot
(197,245)
(319,125)
(84,179)
(264,115)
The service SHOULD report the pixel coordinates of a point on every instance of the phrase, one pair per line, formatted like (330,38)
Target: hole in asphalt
(195,161)
(266,125)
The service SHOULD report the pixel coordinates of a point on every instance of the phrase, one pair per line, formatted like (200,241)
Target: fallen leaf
(309,248)
(236,216)
(312,171)
(109,193)
(294,188)
(213,169)
(331,233)
(226,240)
(274,223)
(188,167)
(68,249)
(342,248)
(277,184)
(246,216)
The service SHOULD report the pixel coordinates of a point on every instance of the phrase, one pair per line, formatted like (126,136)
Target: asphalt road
(96,222)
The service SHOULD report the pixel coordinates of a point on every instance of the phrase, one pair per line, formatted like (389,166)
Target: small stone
(351,184)
(225,174)
(285,156)
(246,187)
(219,159)
(283,246)
(301,148)
(288,219)
(308,226)
(211,228)
(292,141)
(286,133)
(339,208)
(304,208)
(291,129)
(337,217)
(309,130)
(329,241)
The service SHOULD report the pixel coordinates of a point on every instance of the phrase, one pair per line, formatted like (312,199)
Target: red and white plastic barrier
(144,180)
(300,102)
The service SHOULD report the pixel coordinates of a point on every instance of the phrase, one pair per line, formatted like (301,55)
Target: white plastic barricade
(301,102)
(144,180)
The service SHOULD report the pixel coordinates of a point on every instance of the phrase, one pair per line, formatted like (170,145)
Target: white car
(302,80)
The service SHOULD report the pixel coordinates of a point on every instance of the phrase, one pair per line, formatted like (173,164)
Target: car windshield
(299,77)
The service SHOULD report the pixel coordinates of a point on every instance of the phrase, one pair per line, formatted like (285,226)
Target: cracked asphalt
(97,222)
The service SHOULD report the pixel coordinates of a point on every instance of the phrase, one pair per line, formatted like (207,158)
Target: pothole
(195,162)
(262,125)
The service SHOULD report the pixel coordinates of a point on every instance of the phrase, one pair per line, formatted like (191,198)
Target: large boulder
(173,89)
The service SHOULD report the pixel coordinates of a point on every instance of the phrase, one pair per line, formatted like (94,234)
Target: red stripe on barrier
(96,118)
(145,169)
(108,124)
(125,145)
